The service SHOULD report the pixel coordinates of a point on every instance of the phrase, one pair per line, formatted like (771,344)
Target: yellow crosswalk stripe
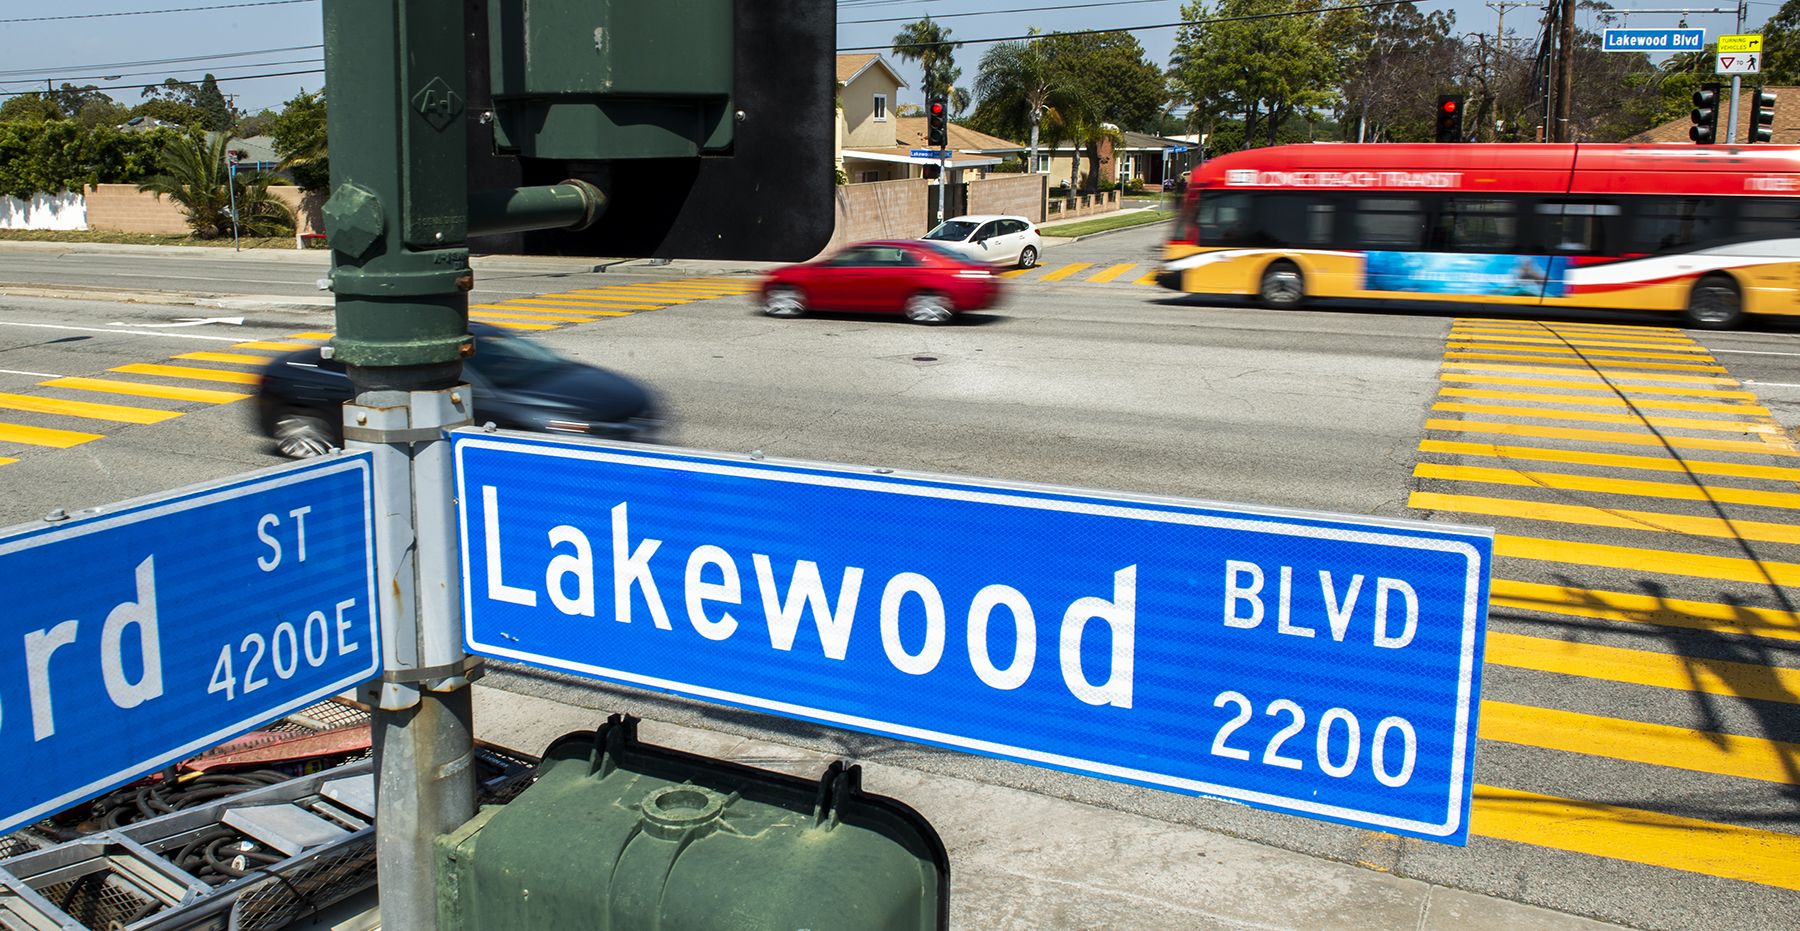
(231,357)
(1611,373)
(1015,273)
(273,346)
(1566,481)
(1149,277)
(491,316)
(309,335)
(533,302)
(1594,342)
(1655,744)
(1066,271)
(1111,273)
(139,389)
(1643,667)
(1607,517)
(1602,355)
(584,312)
(585,300)
(1655,404)
(6,461)
(1612,460)
(43,436)
(1648,561)
(1620,833)
(1545,413)
(1606,436)
(21,402)
(1585,363)
(183,371)
(1644,609)
(1580,382)
(1581,329)
(515,325)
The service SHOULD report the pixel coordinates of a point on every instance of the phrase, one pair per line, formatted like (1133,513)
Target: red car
(926,283)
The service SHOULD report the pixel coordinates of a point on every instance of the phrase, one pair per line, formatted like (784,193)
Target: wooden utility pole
(1565,61)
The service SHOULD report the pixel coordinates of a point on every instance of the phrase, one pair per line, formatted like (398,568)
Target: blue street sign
(1322,665)
(931,153)
(1653,40)
(141,633)
(1179,148)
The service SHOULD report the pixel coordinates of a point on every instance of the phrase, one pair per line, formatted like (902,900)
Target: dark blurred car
(924,281)
(518,384)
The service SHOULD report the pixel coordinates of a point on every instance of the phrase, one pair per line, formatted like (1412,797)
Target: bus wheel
(1715,304)
(1282,287)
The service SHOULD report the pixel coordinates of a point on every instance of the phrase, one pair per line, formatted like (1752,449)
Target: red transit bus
(1709,232)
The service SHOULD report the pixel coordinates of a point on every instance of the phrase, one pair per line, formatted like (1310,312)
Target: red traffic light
(1448,106)
(937,109)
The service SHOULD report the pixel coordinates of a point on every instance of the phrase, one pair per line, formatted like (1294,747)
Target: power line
(141,74)
(241,77)
(189,9)
(106,65)
(1034,9)
(1096,32)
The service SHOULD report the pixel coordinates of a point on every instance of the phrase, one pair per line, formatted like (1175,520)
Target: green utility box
(615,835)
(611,79)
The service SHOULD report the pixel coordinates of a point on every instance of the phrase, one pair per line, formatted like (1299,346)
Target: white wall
(65,211)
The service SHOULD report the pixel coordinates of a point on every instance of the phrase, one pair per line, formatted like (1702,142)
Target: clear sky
(90,49)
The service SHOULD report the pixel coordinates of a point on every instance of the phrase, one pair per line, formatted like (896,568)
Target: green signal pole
(398,221)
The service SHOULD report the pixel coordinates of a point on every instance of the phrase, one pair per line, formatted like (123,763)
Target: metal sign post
(1322,665)
(144,632)
(231,163)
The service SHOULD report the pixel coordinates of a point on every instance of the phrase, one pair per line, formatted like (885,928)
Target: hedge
(62,155)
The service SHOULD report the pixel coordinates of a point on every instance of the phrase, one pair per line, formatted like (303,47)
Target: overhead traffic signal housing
(1450,117)
(1705,130)
(937,123)
(1762,116)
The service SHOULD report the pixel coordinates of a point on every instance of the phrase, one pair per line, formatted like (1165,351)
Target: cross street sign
(1653,40)
(140,633)
(1323,665)
(1740,63)
(931,153)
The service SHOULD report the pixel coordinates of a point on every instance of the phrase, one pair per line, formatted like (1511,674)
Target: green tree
(71,99)
(1781,46)
(193,174)
(101,111)
(49,156)
(1289,61)
(212,103)
(1117,81)
(300,140)
(29,108)
(929,44)
(1017,87)
(170,111)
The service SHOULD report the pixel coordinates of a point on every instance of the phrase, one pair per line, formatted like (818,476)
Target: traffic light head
(937,123)
(1450,117)
(1705,117)
(1762,116)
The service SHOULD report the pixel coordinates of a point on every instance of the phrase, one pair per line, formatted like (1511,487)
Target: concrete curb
(237,302)
(1061,240)
(676,268)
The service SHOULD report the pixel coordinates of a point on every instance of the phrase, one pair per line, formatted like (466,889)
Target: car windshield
(951,231)
(507,361)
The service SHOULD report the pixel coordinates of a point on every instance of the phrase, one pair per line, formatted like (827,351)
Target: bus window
(1472,224)
(1569,228)
(1392,224)
(1319,221)
(1675,224)
(1771,217)
(1224,220)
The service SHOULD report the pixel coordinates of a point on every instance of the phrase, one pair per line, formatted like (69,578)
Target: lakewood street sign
(1323,665)
(1653,40)
(139,634)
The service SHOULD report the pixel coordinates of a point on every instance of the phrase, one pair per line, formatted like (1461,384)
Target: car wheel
(930,309)
(1028,258)
(303,434)
(784,302)
(1715,304)
(1283,288)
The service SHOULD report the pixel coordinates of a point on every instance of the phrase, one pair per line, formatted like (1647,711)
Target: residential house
(876,144)
(1133,155)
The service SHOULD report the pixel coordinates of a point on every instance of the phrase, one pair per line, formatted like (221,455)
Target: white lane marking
(32,374)
(187,321)
(1769,384)
(1753,352)
(89,329)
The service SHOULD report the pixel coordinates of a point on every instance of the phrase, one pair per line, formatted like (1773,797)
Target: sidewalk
(1020,860)
(676,268)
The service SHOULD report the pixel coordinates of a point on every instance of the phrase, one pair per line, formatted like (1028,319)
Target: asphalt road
(1651,723)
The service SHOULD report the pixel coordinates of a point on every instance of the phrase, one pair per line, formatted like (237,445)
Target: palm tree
(193,174)
(1018,85)
(928,43)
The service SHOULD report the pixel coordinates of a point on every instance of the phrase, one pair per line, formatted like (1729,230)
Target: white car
(996,240)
